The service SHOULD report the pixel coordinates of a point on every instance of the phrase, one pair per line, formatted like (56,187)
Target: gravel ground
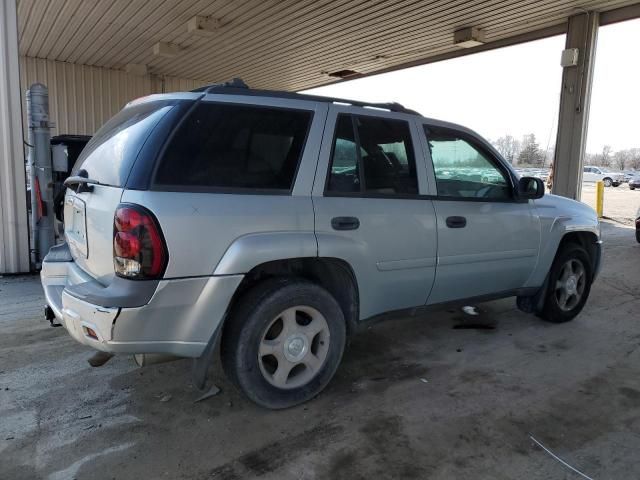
(438,396)
(620,203)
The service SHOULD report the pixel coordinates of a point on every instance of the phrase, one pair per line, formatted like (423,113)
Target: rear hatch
(108,158)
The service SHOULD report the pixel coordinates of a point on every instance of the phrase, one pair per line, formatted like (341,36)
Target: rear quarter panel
(200,227)
(246,228)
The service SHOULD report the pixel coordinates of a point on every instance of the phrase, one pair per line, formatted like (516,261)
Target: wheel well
(333,274)
(586,240)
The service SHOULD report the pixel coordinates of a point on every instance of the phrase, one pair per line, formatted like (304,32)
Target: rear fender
(251,250)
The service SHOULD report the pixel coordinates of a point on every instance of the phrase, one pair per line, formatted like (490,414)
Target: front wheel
(607,182)
(283,343)
(569,285)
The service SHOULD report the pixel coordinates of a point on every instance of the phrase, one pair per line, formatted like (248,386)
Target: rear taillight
(139,250)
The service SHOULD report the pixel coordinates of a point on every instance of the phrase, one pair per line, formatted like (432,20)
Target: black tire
(551,310)
(247,326)
(638,235)
(607,182)
(631,188)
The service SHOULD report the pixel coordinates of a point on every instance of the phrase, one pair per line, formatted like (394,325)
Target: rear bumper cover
(175,317)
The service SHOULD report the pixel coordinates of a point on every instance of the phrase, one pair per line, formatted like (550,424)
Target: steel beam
(575,100)
(14,238)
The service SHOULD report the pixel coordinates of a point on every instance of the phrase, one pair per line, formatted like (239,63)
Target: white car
(597,174)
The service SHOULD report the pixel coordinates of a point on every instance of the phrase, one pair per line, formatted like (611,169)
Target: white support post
(575,100)
(14,237)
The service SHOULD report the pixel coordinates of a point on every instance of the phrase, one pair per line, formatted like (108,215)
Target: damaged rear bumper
(176,317)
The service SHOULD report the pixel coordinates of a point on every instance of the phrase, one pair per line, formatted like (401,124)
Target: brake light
(139,250)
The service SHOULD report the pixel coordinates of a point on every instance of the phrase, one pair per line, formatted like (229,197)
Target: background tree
(633,160)
(530,153)
(592,159)
(605,156)
(509,147)
(620,159)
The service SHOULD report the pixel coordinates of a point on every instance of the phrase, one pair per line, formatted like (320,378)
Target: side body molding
(251,250)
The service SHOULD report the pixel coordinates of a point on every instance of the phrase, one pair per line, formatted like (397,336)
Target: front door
(487,241)
(368,208)
(588,175)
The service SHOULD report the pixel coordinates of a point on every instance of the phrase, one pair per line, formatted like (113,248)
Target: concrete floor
(414,398)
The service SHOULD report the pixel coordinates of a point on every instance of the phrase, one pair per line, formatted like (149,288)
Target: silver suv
(275,224)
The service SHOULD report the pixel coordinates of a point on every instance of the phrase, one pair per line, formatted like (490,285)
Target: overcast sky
(515,90)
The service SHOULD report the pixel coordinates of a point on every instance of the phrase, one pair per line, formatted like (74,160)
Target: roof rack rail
(238,87)
(233,83)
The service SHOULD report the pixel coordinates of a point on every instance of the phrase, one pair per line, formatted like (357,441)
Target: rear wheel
(569,285)
(283,343)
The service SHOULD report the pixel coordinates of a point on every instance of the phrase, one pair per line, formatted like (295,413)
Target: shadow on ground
(441,396)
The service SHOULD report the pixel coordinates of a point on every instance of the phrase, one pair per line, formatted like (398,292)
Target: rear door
(108,159)
(487,241)
(369,209)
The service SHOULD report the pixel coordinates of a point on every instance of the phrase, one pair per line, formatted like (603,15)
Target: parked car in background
(597,174)
(629,174)
(634,182)
(275,224)
(638,225)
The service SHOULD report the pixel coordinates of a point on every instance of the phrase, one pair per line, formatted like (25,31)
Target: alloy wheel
(570,285)
(294,347)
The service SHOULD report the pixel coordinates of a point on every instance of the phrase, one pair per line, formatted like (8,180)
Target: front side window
(226,146)
(372,155)
(462,169)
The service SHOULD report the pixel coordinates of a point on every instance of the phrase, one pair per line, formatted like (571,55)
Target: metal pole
(575,99)
(14,226)
(600,198)
(42,215)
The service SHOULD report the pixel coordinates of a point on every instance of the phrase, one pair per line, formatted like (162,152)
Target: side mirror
(530,188)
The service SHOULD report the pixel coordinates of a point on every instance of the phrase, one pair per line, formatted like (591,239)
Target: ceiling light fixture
(165,49)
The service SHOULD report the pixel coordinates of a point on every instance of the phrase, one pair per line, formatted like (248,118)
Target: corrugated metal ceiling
(288,45)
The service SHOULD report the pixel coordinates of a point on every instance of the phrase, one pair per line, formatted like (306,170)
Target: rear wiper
(84,184)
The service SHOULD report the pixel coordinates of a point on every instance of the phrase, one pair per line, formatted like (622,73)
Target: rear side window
(372,155)
(111,152)
(224,146)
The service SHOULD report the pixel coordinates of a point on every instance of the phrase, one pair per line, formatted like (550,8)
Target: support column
(575,100)
(14,237)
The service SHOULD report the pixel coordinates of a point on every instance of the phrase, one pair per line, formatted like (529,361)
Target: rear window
(109,155)
(227,147)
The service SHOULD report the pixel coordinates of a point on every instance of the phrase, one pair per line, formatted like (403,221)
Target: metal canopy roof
(287,45)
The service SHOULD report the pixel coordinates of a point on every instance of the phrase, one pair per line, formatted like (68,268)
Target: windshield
(110,154)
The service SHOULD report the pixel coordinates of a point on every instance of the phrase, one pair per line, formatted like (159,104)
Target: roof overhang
(286,45)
